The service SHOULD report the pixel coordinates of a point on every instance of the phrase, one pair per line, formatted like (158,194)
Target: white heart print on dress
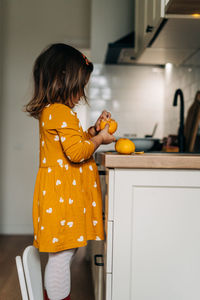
(49,169)
(58,182)
(74,182)
(55,240)
(42,227)
(87,142)
(49,210)
(95,222)
(49,117)
(38,219)
(94,203)
(63,138)
(90,167)
(60,161)
(62,222)
(70,224)
(64,124)
(66,166)
(70,201)
(42,143)
(35,237)
(95,184)
(84,210)
(56,138)
(81,170)
(61,200)
(80,239)
(43,192)
(98,238)
(44,160)
(42,124)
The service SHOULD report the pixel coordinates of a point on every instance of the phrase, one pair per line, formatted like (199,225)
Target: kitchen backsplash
(139,96)
(133,94)
(186,78)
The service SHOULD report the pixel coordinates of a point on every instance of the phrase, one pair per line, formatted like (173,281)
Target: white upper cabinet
(166,31)
(148,16)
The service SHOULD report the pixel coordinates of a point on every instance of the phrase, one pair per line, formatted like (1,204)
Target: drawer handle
(95,260)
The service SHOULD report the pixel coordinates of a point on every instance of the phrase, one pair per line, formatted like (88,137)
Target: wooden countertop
(149,160)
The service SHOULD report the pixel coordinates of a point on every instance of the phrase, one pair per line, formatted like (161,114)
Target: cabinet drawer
(108,246)
(108,286)
(109,197)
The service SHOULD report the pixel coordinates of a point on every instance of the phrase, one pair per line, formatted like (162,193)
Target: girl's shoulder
(55,112)
(58,108)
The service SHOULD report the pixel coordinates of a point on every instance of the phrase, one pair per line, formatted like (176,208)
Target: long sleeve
(75,144)
(87,134)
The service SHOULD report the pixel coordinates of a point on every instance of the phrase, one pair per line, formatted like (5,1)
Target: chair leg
(47,298)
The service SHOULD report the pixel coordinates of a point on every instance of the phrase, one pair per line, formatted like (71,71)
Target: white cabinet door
(156,235)
(147,19)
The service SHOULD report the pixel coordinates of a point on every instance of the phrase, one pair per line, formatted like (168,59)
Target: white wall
(1,101)
(133,94)
(28,27)
(186,78)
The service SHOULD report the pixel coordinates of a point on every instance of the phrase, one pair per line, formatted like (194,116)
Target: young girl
(67,203)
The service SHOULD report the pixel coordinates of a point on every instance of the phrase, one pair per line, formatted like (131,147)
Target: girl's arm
(94,130)
(76,147)
(66,124)
(103,137)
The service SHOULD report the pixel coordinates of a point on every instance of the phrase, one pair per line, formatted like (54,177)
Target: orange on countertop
(112,125)
(124,146)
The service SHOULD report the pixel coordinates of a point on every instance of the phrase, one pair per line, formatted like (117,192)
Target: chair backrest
(33,274)
(22,281)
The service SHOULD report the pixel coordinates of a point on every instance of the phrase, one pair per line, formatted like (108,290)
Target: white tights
(57,277)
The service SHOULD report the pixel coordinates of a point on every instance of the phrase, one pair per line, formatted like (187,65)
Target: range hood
(176,39)
(126,43)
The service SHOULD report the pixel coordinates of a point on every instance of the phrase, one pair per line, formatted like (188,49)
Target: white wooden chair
(29,274)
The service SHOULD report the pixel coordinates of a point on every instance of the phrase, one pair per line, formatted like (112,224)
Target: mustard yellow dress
(67,201)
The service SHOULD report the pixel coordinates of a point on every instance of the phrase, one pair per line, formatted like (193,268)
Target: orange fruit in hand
(125,146)
(112,125)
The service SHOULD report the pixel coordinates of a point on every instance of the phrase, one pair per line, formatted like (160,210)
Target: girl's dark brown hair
(60,74)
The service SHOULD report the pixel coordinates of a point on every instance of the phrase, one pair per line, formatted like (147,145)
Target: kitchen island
(152,225)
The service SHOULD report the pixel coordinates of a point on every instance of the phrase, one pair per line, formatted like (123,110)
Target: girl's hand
(107,138)
(105,115)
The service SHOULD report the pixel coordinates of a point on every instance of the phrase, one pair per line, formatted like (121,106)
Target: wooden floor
(13,245)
